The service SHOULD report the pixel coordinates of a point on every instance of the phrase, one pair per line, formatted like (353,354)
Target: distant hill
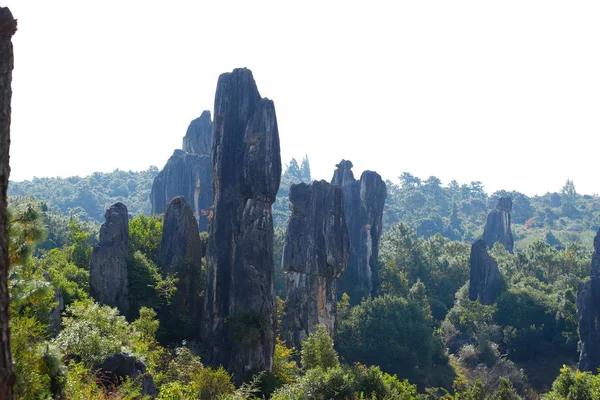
(456,211)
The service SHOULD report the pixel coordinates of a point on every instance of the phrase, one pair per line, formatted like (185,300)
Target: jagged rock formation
(108,265)
(181,255)
(363,209)
(497,227)
(239,302)
(485,281)
(123,365)
(314,255)
(197,139)
(188,173)
(588,313)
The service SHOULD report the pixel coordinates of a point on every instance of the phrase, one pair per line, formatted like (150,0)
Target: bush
(317,351)
(93,332)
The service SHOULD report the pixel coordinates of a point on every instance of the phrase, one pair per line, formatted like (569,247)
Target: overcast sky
(507,93)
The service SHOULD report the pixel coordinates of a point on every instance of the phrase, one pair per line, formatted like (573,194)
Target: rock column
(181,255)
(239,304)
(363,208)
(109,283)
(315,254)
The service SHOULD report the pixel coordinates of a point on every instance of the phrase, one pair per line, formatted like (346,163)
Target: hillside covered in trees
(457,211)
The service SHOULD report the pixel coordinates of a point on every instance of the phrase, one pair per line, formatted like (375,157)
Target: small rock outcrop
(497,227)
(188,173)
(314,255)
(588,313)
(120,366)
(181,255)
(239,304)
(363,208)
(485,281)
(109,283)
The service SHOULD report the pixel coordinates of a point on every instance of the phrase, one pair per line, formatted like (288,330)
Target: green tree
(317,350)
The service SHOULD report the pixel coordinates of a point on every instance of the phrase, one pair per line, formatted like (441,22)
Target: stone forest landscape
(232,274)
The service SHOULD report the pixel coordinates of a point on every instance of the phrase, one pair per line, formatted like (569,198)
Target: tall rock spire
(314,255)
(239,304)
(485,281)
(109,281)
(363,208)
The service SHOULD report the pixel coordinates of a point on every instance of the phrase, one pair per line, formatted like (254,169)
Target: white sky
(507,93)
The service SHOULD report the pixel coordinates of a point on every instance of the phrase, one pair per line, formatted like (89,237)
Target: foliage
(284,368)
(29,349)
(317,350)
(574,385)
(93,332)
(145,234)
(246,326)
(395,334)
(87,198)
(342,382)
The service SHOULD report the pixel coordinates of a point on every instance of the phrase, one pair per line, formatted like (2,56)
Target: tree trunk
(8,26)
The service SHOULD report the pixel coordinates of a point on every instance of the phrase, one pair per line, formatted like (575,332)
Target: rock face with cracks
(109,282)
(588,313)
(188,173)
(497,227)
(314,255)
(485,281)
(363,208)
(181,255)
(239,304)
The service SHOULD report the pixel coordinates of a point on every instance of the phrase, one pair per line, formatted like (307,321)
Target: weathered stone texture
(485,280)
(109,283)
(239,304)
(497,227)
(188,173)
(314,256)
(181,255)
(588,313)
(363,208)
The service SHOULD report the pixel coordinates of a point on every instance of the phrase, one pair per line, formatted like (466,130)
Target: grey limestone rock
(239,304)
(188,173)
(123,365)
(109,282)
(314,256)
(497,227)
(588,313)
(485,280)
(181,255)
(198,137)
(363,208)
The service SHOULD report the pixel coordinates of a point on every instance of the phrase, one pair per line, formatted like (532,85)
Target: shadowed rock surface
(109,283)
(118,367)
(485,280)
(588,313)
(314,255)
(188,173)
(497,227)
(181,255)
(239,303)
(363,208)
